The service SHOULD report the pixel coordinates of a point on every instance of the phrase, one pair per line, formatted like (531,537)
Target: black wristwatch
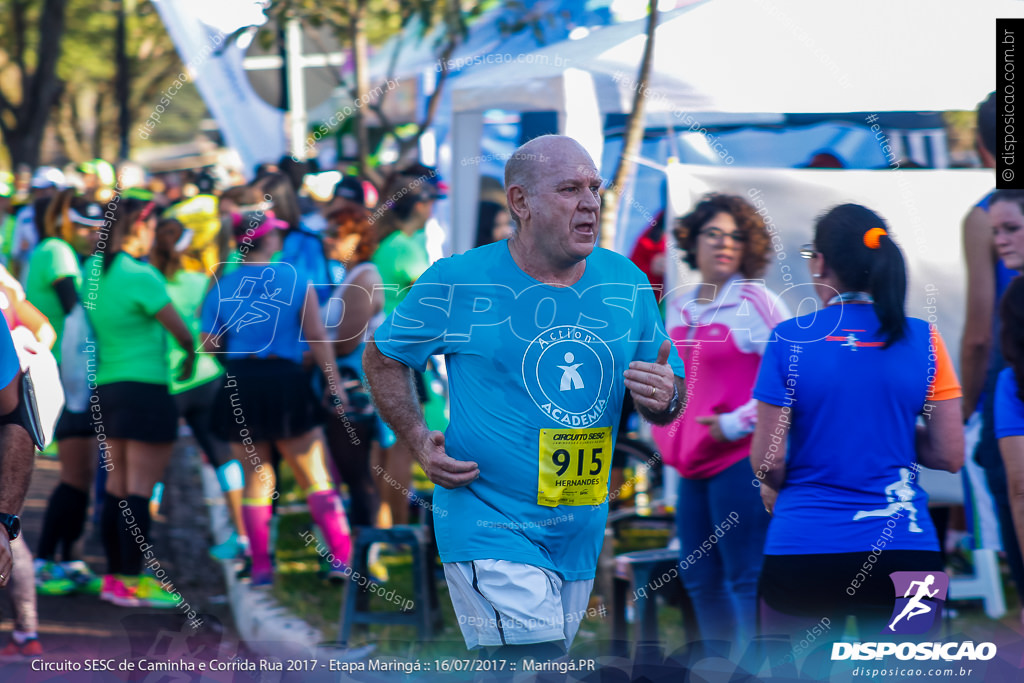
(675,400)
(12,524)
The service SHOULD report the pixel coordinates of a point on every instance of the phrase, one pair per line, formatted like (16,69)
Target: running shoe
(121,591)
(107,589)
(228,550)
(30,649)
(262,580)
(51,579)
(244,569)
(336,573)
(85,581)
(378,571)
(152,594)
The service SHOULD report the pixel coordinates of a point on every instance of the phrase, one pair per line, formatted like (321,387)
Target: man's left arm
(658,393)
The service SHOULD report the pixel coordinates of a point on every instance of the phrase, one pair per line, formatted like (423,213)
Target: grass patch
(300,588)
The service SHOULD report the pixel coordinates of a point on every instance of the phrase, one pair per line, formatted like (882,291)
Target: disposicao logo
(919,599)
(947,652)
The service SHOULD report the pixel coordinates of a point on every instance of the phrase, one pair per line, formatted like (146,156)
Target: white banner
(200,31)
(923,208)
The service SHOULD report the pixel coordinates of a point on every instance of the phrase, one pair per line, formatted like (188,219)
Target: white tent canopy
(754,56)
(742,58)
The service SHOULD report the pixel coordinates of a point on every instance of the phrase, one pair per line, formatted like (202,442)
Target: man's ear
(517,204)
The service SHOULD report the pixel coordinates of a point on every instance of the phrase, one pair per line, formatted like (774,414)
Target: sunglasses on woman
(808,251)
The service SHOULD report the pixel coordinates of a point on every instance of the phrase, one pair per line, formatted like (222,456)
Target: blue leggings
(720,567)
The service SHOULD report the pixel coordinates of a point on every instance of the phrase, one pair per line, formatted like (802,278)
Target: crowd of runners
(278,323)
(178,306)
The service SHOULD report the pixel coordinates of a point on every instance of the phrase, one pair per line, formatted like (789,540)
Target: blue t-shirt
(1009,409)
(851,457)
(9,363)
(304,251)
(257,308)
(530,365)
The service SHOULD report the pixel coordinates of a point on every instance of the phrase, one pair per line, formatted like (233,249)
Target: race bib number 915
(574,466)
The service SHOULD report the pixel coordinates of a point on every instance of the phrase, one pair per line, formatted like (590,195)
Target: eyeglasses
(717,235)
(808,251)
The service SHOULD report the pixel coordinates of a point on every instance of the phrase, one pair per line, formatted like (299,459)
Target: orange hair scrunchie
(872,237)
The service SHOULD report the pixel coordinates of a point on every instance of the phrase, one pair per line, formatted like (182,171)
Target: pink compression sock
(256,514)
(329,515)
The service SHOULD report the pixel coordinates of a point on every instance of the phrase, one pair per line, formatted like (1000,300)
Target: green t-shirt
(187,291)
(131,344)
(401,259)
(52,259)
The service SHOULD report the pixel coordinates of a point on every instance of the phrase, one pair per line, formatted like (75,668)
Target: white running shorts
(498,602)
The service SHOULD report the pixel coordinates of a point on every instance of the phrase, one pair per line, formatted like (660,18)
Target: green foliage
(87,51)
(85,116)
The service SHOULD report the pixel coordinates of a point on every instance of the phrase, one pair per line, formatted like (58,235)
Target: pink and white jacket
(721,342)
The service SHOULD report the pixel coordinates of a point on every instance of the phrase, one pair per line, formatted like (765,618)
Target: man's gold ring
(654,390)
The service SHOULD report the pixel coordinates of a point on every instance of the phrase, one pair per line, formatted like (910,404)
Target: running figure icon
(915,607)
(571,378)
(900,496)
(254,306)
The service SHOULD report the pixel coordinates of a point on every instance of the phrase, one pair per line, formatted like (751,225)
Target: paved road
(77,629)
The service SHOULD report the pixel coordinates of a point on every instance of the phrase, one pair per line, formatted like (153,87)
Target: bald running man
(543,333)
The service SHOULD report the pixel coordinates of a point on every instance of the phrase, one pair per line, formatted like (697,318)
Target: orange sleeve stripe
(944,384)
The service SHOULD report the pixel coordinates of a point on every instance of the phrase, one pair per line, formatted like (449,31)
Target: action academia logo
(919,600)
(568,372)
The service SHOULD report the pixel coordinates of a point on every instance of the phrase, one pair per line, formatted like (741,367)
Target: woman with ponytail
(258,318)
(53,286)
(195,396)
(837,447)
(131,312)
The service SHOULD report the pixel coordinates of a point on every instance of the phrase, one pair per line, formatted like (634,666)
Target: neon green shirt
(187,291)
(53,259)
(7,238)
(131,344)
(401,259)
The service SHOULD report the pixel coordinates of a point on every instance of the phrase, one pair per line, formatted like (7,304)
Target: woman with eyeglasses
(720,328)
(839,442)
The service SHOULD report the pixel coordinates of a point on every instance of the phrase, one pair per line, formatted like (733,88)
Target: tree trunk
(361,67)
(633,138)
(40,89)
(67,133)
